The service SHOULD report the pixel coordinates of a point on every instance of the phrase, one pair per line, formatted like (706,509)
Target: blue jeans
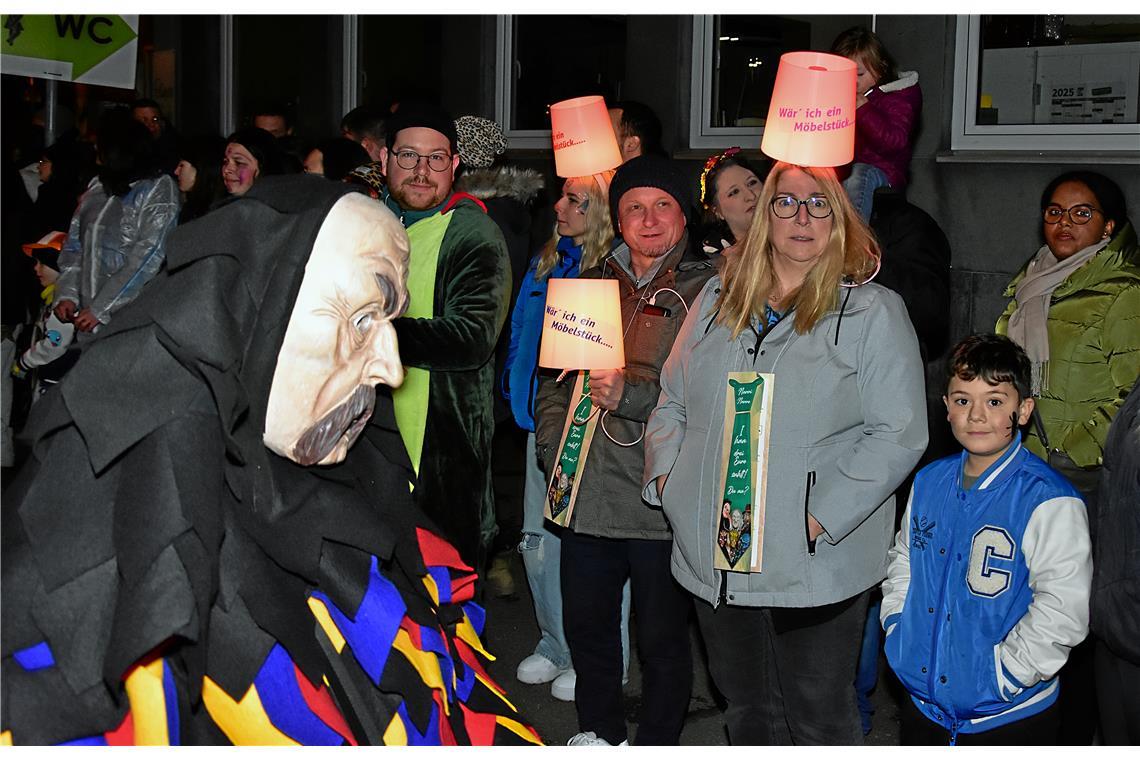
(865,179)
(541,551)
(867,672)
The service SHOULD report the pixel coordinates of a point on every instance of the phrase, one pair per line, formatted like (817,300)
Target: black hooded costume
(167,577)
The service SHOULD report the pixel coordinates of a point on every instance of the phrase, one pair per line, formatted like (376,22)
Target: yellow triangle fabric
(396,734)
(148,703)
(321,613)
(518,728)
(244,722)
(411,398)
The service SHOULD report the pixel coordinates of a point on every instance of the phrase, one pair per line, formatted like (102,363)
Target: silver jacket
(116,245)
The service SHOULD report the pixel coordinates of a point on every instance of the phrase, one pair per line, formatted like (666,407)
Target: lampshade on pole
(583,136)
(581,328)
(811,119)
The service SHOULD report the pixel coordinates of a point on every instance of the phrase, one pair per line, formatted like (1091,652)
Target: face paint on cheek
(1012,424)
(585,205)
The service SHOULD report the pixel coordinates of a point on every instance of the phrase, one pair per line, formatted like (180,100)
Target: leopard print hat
(479,140)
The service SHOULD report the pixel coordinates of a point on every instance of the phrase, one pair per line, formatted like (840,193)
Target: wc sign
(85,48)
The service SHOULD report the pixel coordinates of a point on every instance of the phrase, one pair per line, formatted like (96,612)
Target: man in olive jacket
(459,284)
(612,534)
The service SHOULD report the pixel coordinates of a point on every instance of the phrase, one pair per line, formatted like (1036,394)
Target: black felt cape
(151,514)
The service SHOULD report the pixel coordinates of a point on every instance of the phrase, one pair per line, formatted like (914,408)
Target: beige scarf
(1028,323)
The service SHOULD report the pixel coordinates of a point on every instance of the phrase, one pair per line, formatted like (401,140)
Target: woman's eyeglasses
(785,206)
(1082,213)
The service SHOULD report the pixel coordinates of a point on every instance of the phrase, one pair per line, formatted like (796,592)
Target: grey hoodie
(848,424)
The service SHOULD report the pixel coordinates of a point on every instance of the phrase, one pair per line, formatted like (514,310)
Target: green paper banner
(740,518)
(581,422)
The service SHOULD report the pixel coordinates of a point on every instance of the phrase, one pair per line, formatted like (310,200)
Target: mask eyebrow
(392,306)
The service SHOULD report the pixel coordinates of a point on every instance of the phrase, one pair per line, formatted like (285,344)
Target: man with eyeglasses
(459,284)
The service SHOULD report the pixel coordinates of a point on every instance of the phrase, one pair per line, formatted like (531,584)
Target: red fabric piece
(124,735)
(320,702)
(446,735)
(413,630)
(480,727)
(456,197)
(436,551)
(469,658)
(463,588)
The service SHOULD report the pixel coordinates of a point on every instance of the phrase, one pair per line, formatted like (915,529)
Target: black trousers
(786,673)
(1037,730)
(1118,697)
(593,573)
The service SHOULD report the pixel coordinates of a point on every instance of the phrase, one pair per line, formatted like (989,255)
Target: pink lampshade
(811,120)
(581,328)
(583,136)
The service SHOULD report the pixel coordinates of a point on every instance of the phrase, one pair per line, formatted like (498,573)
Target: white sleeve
(57,337)
(1058,554)
(897,582)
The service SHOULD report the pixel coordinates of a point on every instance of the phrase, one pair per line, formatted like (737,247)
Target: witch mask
(340,342)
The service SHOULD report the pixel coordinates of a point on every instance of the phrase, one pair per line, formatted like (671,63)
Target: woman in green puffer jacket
(1076,311)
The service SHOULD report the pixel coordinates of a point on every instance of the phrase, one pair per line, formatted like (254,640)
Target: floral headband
(711,164)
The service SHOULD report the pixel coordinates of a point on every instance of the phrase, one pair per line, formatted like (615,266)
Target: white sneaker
(590,739)
(563,686)
(538,669)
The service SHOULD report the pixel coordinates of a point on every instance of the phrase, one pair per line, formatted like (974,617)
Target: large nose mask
(340,342)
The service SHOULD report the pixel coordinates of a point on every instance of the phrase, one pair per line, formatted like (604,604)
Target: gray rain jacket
(116,245)
(848,424)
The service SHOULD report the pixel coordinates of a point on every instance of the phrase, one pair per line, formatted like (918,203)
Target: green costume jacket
(459,282)
(1094,350)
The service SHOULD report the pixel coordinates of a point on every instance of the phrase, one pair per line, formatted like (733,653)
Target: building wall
(989,211)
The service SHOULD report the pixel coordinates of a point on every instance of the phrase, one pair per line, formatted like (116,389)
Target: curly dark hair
(994,358)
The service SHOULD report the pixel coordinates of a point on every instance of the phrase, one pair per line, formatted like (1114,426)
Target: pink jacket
(885,125)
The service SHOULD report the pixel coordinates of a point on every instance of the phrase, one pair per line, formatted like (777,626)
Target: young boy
(50,338)
(988,584)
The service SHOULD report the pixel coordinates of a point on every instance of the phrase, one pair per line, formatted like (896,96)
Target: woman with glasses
(781,541)
(1075,309)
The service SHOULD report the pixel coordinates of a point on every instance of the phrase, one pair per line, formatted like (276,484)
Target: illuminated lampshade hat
(811,119)
(581,328)
(583,136)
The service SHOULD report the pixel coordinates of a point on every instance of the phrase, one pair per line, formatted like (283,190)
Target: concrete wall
(989,211)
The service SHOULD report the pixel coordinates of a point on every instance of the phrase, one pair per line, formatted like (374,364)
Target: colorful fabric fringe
(283,708)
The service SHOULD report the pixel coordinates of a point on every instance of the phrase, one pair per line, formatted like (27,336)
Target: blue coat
(987,590)
(521,372)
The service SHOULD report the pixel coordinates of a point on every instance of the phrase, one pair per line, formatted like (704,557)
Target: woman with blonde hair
(582,236)
(796,311)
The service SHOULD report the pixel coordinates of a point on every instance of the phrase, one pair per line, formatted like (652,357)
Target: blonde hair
(851,253)
(599,227)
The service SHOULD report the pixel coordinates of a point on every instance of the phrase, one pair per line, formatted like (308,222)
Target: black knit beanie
(421,115)
(651,171)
